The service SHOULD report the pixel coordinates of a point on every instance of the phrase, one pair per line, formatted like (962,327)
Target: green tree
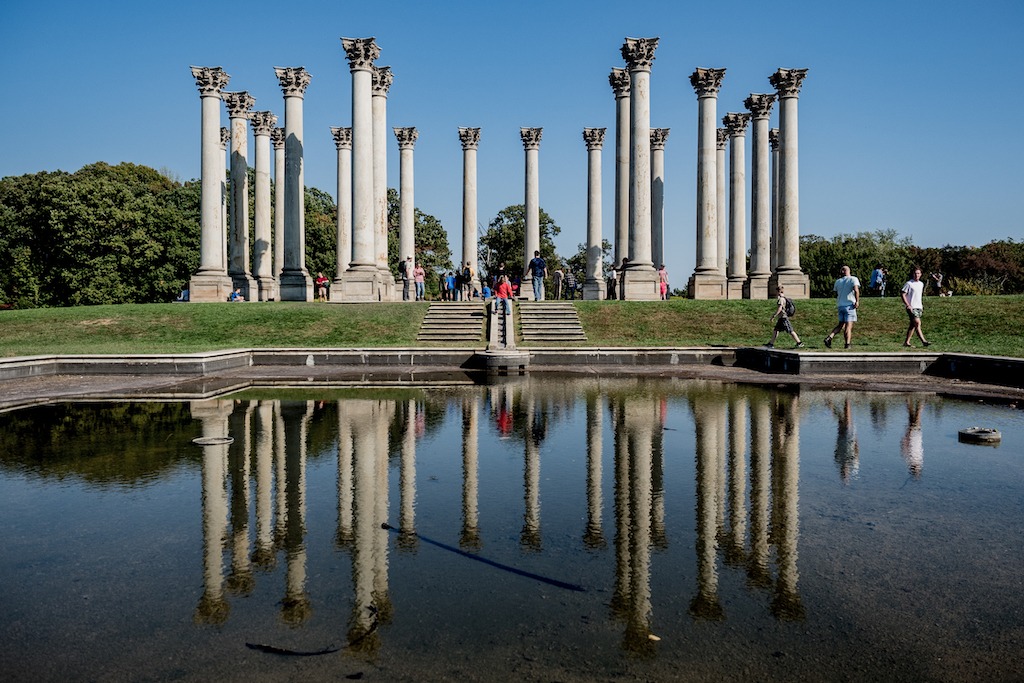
(503,240)
(821,258)
(431,242)
(321,233)
(578,261)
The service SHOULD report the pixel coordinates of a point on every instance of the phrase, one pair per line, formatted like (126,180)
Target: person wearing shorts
(847,289)
(782,323)
(913,299)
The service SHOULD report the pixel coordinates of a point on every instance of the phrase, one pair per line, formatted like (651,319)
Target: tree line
(130,234)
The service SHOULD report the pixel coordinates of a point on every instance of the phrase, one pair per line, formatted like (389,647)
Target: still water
(626,529)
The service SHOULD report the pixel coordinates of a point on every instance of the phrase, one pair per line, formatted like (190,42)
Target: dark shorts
(783,325)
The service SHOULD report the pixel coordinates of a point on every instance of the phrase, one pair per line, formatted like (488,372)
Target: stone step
(453,321)
(550,321)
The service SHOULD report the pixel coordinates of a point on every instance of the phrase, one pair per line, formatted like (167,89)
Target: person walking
(405,270)
(503,293)
(538,270)
(570,285)
(663,282)
(847,289)
(783,310)
(556,280)
(913,298)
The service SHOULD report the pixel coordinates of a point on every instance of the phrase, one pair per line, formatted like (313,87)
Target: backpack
(790,307)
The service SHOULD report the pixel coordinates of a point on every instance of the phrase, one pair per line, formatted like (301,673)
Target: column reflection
(296,606)
(407,539)
(530,538)
(593,535)
(707,410)
(469,539)
(786,603)
(735,553)
(758,575)
(240,579)
(213,608)
(263,555)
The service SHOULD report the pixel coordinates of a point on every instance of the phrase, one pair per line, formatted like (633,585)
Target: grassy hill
(989,325)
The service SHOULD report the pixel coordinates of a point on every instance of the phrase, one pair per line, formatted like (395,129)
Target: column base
(710,285)
(334,292)
(358,286)
(267,287)
(641,283)
(388,290)
(734,287)
(594,290)
(756,287)
(246,283)
(296,285)
(796,283)
(209,288)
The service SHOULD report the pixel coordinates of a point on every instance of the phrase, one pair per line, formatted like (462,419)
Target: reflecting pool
(541,529)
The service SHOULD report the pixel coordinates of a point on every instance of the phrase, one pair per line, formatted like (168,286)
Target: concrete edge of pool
(30,380)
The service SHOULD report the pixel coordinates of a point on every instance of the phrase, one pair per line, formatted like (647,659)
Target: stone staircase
(549,322)
(453,321)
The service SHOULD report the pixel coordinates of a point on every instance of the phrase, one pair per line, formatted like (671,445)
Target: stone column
(707,282)
(343,142)
(531,143)
(773,141)
(277,139)
(470,138)
(659,136)
(296,285)
(222,242)
(787,84)
(760,108)
(406,208)
(239,106)
(736,125)
(263,123)
(594,285)
(641,278)
(210,282)
(361,281)
(721,208)
(381,78)
(619,79)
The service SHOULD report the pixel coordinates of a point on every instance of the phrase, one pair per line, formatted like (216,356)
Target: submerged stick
(492,563)
(271,649)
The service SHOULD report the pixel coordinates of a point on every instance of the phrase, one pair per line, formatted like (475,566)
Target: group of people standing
(847,290)
(414,279)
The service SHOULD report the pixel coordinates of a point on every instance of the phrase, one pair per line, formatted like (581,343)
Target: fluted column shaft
(262,125)
(736,125)
(470,138)
(295,285)
(773,141)
(531,145)
(277,139)
(619,79)
(239,105)
(787,82)
(380,84)
(406,207)
(721,208)
(760,200)
(222,240)
(343,247)
(594,285)
(361,53)
(639,54)
(210,81)
(659,136)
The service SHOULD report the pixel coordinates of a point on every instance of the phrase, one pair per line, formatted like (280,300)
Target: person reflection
(912,444)
(847,453)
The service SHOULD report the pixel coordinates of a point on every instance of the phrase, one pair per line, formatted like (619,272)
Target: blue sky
(909,116)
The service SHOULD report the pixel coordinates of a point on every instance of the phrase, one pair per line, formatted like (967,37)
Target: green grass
(988,325)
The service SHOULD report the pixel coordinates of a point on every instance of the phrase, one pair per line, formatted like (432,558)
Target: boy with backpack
(785,308)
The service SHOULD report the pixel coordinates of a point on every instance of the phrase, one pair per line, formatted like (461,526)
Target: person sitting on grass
(781,316)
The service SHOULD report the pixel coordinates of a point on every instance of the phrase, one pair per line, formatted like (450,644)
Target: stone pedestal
(593,284)
(211,281)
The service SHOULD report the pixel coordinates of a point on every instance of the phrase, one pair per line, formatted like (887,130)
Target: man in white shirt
(913,299)
(847,289)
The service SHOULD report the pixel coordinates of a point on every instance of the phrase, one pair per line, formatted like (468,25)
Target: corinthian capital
(531,137)
(239,104)
(773,138)
(659,136)
(381,80)
(262,122)
(760,105)
(293,80)
(639,53)
(406,137)
(361,53)
(619,80)
(277,138)
(342,137)
(787,82)
(707,82)
(736,124)
(210,79)
(470,137)
(594,137)
(722,137)
(225,137)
